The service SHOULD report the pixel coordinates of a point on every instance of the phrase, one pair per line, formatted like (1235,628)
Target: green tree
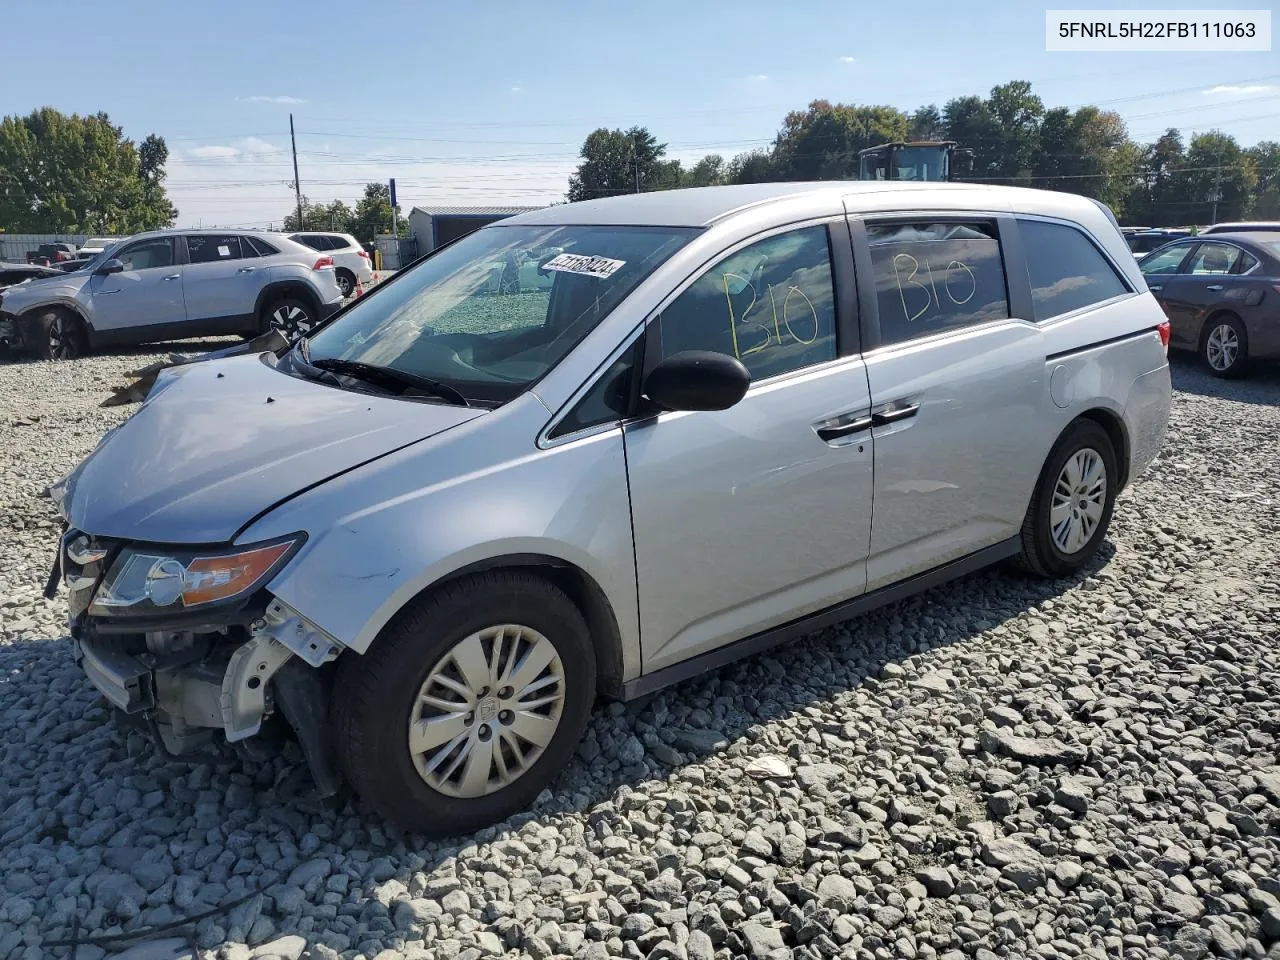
(710,171)
(622,161)
(970,122)
(64,173)
(335,216)
(754,166)
(1265,159)
(926,124)
(822,142)
(372,215)
(1220,184)
(1017,112)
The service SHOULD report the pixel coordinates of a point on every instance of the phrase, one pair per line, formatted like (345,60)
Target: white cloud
(846,59)
(1240,90)
(258,145)
(262,99)
(517,89)
(214,152)
(759,76)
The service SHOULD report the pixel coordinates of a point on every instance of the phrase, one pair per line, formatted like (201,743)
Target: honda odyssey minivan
(428,534)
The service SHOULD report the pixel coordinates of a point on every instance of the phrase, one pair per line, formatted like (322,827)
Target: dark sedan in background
(1222,296)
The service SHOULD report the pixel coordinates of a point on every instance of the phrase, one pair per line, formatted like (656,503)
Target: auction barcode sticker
(1137,31)
(580,263)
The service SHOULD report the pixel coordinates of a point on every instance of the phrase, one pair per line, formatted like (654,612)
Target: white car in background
(95,245)
(350,259)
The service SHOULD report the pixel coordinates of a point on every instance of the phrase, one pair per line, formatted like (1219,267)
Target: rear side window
(934,277)
(1246,262)
(338,243)
(1067,271)
(315,243)
(213,248)
(1213,258)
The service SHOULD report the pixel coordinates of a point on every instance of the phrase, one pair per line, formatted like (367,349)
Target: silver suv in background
(715,420)
(351,261)
(173,285)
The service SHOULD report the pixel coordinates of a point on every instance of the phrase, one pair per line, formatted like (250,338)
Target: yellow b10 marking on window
(956,269)
(769,336)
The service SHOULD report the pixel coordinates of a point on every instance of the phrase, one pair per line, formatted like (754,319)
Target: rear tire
(291,316)
(346,283)
(1071,509)
(441,750)
(1224,347)
(54,334)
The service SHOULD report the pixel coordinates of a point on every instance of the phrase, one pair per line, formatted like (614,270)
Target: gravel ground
(999,768)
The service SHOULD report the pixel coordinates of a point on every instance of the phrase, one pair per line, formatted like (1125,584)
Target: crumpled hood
(218,442)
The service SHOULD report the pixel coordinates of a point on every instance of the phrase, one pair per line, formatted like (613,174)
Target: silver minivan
(685,427)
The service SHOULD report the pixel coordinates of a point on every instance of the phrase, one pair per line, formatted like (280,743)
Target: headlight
(145,581)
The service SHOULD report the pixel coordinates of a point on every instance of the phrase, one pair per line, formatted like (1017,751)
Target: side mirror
(111,266)
(697,380)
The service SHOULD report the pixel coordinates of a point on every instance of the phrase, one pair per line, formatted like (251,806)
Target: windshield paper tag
(601,267)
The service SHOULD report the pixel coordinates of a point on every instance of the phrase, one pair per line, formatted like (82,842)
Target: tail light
(322,262)
(1164,330)
(363,253)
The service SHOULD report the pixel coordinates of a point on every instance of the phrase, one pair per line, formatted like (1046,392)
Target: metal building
(434,226)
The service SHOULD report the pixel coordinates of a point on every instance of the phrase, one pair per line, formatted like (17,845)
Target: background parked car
(1255,226)
(48,253)
(1222,297)
(1144,241)
(351,261)
(95,245)
(172,285)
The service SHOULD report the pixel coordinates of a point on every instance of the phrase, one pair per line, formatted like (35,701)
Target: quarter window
(1067,271)
(1213,258)
(212,248)
(934,277)
(771,305)
(260,247)
(1246,262)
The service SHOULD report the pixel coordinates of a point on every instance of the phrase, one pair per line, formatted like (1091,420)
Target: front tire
(55,335)
(1225,347)
(1071,509)
(468,703)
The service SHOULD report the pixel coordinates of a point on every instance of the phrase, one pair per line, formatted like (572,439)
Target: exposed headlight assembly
(147,581)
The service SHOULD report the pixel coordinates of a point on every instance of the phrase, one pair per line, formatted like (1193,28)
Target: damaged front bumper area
(184,679)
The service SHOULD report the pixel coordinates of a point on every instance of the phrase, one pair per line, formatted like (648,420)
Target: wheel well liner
(1114,425)
(279,289)
(586,594)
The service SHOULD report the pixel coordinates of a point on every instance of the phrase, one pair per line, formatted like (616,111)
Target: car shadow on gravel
(643,748)
(1261,385)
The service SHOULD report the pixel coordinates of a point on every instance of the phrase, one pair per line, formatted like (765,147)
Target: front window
(918,163)
(491,314)
(1165,260)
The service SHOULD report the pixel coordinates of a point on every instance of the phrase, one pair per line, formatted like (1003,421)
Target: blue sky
(488,103)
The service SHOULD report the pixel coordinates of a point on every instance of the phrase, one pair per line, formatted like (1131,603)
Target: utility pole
(635,150)
(1217,189)
(297,186)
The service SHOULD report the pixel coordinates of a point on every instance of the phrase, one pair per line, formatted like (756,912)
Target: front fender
(382,534)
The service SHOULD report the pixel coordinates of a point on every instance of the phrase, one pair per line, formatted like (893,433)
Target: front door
(1161,270)
(957,391)
(753,516)
(147,293)
(221,283)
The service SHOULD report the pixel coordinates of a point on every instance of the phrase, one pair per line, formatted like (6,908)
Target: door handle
(844,429)
(174,276)
(245,270)
(1214,286)
(885,417)
(1155,286)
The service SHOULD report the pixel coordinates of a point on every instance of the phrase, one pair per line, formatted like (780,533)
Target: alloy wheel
(345,285)
(1222,347)
(1079,499)
(291,320)
(62,345)
(487,711)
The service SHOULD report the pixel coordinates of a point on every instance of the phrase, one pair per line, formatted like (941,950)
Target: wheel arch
(1218,313)
(28,316)
(1114,425)
(587,595)
(279,289)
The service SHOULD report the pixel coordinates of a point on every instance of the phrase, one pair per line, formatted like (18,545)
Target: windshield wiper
(390,377)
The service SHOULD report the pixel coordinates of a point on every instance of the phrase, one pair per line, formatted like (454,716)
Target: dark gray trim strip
(749,646)
(1137,334)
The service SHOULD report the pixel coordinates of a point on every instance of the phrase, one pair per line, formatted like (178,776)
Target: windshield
(918,163)
(491,314)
